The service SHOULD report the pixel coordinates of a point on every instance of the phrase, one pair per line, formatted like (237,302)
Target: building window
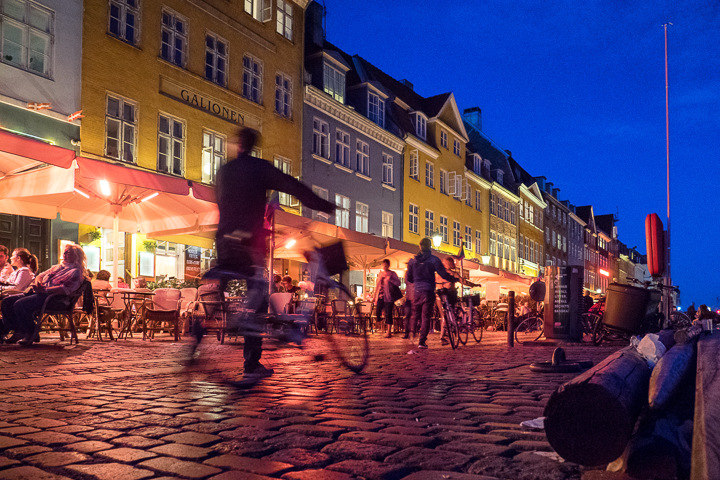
(456,147)
(321,138)
(512,213)
(285,19)
(361,217)
(493,243)
(216,56)
(174,38)
(520,253)
(443,182)
(261,10)
(334,83)
(506,204)
(342,148)
(468,238)
(478,200)
(171,145)
(430,174)
(513,249)
(429,223)
(500,177)
(283,95)
(120,128)
(420,126)
(285,166)
(362,157)
(413,219)
(342,211)
(213,155)
(27,36)
(443,138)
(547,234)
(124,20)
(467,193)
(316,215)
(252,79)
(387,170)
(527,249)
(414,164)
(477,164)
(444,229)
(456,234)
(492,204)
(478,242)
(376,110)
(387,224)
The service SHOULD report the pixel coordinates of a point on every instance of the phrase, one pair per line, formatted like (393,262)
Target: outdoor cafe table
(132,298)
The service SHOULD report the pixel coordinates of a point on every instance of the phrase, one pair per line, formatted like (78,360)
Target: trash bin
(629,308)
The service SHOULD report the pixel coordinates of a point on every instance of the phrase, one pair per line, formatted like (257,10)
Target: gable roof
(605,223)
(483,146)
(586,214)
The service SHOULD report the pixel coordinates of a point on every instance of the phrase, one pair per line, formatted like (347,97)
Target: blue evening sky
(576,90)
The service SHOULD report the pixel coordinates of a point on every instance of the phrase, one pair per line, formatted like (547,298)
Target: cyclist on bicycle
(421,273)
(241,238)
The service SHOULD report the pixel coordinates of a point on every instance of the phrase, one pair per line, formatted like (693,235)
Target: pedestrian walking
(421,273)
(387,292)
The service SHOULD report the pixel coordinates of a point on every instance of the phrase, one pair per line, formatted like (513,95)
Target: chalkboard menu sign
(192,262)
(562,315)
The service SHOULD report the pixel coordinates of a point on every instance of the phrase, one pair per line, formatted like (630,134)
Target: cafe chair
(342,317)
(279,304)
(306,315)
(110,308)
(164,309)
(60,309)
(211,316)
(188,297)
(363,313)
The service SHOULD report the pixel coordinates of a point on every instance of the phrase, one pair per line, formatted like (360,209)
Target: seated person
(121,283)
(63,279)
(26,265)
(141,284)
(288,285)
(277,284)
(102,281)
(5,268)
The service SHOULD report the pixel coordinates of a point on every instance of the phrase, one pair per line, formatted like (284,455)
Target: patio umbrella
(109,195)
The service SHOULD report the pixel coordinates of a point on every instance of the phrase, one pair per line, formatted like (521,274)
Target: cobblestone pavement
(135,409)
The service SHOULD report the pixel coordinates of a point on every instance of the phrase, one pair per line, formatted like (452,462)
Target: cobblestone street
(134,409)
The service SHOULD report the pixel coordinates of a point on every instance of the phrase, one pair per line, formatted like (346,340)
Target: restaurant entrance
(27,232)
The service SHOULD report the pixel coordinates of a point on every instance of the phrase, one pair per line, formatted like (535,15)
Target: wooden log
(706,435)
(669,373)
(589,420)
(687,334)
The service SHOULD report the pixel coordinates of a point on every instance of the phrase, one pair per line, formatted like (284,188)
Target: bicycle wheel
(598,334)
(451,328)
(529,330)
(588,325)
(478,323)
(679,320)
(463,328)
(353,350)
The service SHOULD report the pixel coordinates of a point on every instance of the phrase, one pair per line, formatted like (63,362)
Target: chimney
(541,183)
(407,83)
(549,187)
(474,117)
(509,153)
(555,192)
(314,31)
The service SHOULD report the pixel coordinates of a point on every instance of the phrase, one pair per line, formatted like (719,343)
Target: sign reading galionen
(211,105)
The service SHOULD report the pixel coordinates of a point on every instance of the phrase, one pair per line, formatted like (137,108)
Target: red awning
(128,175)
(18,153)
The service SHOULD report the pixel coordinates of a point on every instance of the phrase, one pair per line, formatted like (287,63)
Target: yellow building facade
(166,85)
(440,195)
(531,209)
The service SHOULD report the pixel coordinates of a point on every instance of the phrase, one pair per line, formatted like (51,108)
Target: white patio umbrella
(105,194)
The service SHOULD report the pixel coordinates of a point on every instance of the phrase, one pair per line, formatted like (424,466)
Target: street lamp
(436,238)
(485,259)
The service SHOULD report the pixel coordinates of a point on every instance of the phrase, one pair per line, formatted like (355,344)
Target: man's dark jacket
(422,269)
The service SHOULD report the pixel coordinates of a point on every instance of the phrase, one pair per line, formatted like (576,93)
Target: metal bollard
(511,319)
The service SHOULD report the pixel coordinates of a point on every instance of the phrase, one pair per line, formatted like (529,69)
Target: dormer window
(376,109)
(334,83)
(487,165)
(421,126)
(477,164)
(500,177)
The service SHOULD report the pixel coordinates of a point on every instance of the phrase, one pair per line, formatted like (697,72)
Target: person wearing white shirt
(25,264)
(5,268)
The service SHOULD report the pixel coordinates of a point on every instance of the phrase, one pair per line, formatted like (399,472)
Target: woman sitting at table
(102,281)
(25,264)
(64,279)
